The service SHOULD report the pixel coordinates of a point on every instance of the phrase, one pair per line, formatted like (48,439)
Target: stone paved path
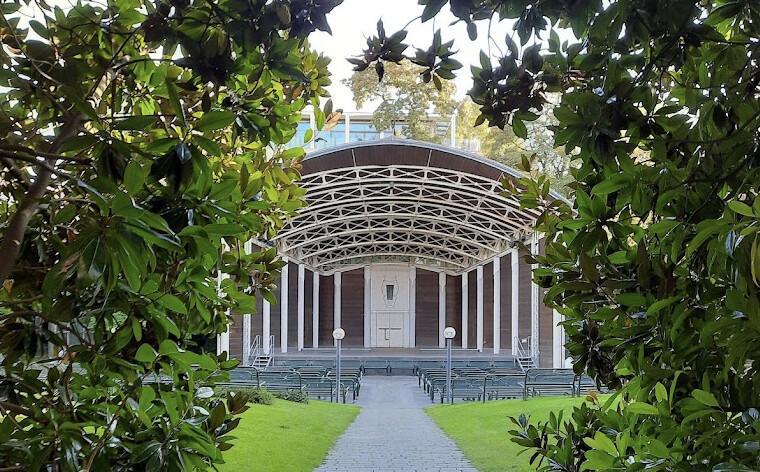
(392,433)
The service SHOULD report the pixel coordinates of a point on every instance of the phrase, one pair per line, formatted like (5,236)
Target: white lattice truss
(445,219)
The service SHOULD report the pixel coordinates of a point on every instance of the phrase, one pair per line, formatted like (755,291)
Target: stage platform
(401,361)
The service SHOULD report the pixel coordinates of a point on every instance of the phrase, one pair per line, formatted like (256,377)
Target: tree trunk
(14,235)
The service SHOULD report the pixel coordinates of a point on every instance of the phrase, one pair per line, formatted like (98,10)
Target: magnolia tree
(141,144)
(656,262)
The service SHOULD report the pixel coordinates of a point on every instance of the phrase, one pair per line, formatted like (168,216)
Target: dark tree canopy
(656,266)
(141,144)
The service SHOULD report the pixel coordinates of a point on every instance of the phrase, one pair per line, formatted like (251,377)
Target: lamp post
(338,335)
(449,334)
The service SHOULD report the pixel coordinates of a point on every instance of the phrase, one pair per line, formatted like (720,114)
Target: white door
(390,329)
(389,305)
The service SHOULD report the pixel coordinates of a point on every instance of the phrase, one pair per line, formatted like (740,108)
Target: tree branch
(14,235)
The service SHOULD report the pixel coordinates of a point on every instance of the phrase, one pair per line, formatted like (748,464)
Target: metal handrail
(257,348)
(522,351)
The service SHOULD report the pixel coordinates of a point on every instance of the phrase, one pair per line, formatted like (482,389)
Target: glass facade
(360,129)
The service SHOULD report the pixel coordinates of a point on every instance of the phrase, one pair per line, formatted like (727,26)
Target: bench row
(482,386)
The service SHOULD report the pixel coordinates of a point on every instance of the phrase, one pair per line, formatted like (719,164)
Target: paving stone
(392,433)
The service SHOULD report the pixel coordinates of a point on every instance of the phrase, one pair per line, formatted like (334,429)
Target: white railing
(523,347)
(258,349)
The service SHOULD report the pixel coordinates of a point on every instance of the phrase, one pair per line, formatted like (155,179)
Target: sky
(354,20)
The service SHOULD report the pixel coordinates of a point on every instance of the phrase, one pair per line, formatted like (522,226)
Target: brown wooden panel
(352,307)
(426,309)
(524,295)
(274,319)
(454,306)
(506,303)
(472,309)
(545,327)
(401,153)
(308,306)
(488,305)
(545,333)
(256,318)
(292,305)
(326,314)
(236,336)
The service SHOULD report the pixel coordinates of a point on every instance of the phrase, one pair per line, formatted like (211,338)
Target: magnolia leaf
(215,120)
(172,303)
(146,353)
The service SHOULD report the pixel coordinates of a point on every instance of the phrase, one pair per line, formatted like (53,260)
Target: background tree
(403,100)
(538,149)
(141,144)
(657,264)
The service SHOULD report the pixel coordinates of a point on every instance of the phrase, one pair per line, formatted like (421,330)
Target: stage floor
(393,353)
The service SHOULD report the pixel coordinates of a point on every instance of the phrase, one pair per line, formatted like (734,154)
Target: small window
(389,292)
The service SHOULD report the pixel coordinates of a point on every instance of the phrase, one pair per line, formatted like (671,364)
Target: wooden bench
(502,386)
(376,365)
(466,388)
(548,382)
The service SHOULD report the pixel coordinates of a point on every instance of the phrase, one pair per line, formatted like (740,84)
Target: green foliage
(293,396)
(404,99)
(141,144)
(656,263)
(257,396)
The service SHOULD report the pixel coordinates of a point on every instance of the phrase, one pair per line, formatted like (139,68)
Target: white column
(223,339)
(266,329)
(535,299)
(497,305)
(347,127)
(441,308)
(515,296)
(367,302)
(315,310)
(412,338)
(558,354)
(246,338)
(301,304)
(465,308)
(336,303)
(284,307)
(479,307)
(247,248)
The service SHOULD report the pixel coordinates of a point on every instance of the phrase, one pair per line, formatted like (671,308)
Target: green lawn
(287,436)
(480,429)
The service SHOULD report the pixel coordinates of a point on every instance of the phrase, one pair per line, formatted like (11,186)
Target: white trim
(284,285)
(535,300)
(266,331)
(496,306)
(367,307)
(246,335)
(315,310)
(465,308)
(223,339)
(479,307)
(347,127)
(441,309)
(411,331)
(246,338)
(515,300)
(301,305)
(336,302)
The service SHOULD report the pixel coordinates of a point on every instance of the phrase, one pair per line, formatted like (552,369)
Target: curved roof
(403,201)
